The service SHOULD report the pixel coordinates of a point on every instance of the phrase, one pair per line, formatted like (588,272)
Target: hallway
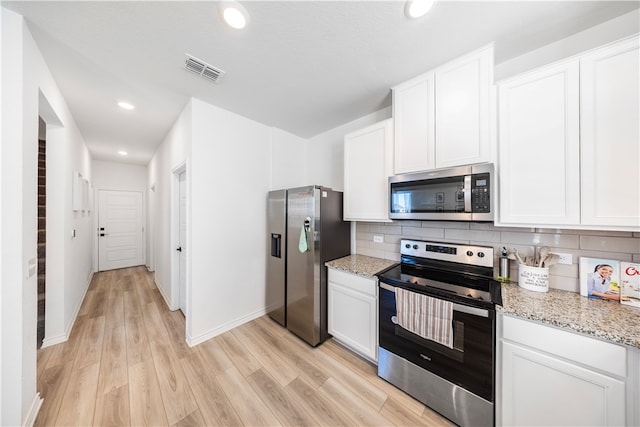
(127,363)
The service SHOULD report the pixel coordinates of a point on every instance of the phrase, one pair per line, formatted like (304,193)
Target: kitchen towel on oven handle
(429,318)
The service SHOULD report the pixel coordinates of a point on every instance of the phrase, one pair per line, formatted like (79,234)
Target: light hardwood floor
(127,363)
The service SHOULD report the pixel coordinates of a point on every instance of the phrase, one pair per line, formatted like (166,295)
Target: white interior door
(182,240)
(120,229)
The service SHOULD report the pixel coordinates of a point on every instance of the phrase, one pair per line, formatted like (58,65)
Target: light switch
(32,267)
(378,239)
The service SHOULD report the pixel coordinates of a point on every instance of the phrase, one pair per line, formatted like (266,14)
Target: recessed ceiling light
(234,14)
(417,8)
(122,153)
(125,105)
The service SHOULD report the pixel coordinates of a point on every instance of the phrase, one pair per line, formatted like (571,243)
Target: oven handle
(481,312)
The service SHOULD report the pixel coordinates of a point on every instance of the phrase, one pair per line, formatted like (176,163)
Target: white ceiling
(302,66)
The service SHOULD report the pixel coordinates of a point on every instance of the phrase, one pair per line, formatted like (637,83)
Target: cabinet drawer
(591,352)
(357,283)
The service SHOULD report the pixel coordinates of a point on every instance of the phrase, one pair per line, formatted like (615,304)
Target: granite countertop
(607,320)
(361,265)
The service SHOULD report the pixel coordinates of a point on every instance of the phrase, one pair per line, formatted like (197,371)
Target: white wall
(28,90)
(119,176)
(290,162)
(326,150)
(229,180)
(172,152)
(607,32)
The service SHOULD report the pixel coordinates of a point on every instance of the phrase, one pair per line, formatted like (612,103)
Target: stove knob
(481,254)
(415,247)
(469,253)
(408,246)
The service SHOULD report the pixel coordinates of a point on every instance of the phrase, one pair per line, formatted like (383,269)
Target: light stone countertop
(606,320)
(361,265)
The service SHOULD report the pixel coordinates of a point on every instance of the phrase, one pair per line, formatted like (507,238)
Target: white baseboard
(164,296)
(193,341)
(36,404)
(49,341)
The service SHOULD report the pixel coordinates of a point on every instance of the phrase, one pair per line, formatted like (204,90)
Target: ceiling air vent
(203,69)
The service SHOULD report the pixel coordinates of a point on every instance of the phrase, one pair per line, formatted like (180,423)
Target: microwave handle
(467,193)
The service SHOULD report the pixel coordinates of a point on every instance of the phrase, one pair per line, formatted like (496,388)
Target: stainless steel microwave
(458,194)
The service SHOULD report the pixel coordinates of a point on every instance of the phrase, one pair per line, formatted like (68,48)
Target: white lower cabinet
(352,312)
(551,377)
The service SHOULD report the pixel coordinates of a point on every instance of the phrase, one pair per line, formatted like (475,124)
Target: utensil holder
(533,278)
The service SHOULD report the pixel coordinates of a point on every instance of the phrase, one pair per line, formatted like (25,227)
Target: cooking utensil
(542,255)
(551,260)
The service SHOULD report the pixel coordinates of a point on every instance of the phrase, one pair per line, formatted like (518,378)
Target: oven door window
(433,195)
(469,364)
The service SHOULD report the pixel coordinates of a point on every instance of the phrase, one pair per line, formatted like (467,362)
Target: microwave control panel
(480,190)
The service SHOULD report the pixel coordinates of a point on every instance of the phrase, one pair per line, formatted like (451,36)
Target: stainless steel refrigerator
(315,234)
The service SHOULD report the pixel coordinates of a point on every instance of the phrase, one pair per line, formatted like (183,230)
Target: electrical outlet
(564,258)
(378,239)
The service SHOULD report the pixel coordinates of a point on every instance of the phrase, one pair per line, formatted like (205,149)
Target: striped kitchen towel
(430,318)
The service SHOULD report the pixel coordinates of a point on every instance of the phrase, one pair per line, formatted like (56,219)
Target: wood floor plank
(288,410)
(79,397)
(114,315)
(154,325)
(369,371)
(246,402)
(352,404)
(352,380)
(67,351)
(112,408)
(193,419)
(145,400)
(90,344)
(174,323)
(214,405)
(275,364)
(113,364)
(400,416)
(99,305)
(320,408)
(294,351)
(241,357)
(217,359)
(88,302)
(126,363)
(131,303)
(52,386)
(176,393)
(136,337)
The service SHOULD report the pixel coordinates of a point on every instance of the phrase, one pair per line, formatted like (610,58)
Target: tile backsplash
(620,245)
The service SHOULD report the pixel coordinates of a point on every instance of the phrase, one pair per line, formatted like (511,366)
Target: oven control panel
(465,254)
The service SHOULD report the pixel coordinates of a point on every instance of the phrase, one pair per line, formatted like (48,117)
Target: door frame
(95,206)
(175,238)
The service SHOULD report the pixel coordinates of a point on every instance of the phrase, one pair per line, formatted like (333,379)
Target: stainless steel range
(454,372)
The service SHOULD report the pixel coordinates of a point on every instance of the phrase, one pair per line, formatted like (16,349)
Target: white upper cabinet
(539,147)
(443,118)
(569,142)
(414,125)
(610,136)
(463,110)
(367,166)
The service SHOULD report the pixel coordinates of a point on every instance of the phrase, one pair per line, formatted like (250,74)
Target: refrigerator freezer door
(276,255)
